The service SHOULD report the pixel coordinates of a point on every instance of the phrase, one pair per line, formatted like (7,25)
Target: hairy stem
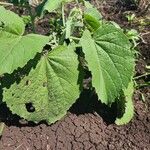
(143,75)
(63,14)
(5,3)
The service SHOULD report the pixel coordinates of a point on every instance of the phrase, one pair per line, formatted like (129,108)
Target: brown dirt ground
(88,127)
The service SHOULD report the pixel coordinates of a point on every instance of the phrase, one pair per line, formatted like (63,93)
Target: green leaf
(92,11)
(126,104)
(92,16)
(51,87)
(74,20)
(92,23)
(15,49)
(50,5)
(11,22)
(109,59)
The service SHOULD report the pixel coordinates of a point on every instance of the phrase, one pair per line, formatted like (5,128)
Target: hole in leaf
(30,107)
(2,25)
(44,84)
(67,41)
(28,82)
(47,47)
(13,94)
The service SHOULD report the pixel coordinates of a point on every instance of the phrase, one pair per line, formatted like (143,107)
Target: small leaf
(49,90)
(92,23)
(11,22)
(126,104)
(15,49)
(50,5)
(109,59)
(92,11)
(92,16)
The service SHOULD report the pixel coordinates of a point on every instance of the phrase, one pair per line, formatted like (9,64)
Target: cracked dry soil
(86,131)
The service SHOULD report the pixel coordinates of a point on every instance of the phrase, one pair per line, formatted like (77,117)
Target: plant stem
(2,125)
(143,75)
(5,3)
(32,17)
(63,15)
(143,85)
(77,1)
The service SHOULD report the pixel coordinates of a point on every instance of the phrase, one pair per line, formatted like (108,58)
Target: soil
(89,127)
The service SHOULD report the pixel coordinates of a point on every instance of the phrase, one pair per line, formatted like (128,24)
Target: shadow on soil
(87,103)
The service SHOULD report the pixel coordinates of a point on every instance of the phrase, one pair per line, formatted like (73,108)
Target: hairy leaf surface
(109,59)
(52,87)
(15,49)
(126,105)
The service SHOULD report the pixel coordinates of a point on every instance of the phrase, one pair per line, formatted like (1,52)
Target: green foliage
(109,59)
(130,17)
(92,17)
(42,84)
(26,19)
(74,20)
(48,87)
(15,49)
(11,22)
(92,11)
(134,36)
(51,6)
(48,5)
(125,106)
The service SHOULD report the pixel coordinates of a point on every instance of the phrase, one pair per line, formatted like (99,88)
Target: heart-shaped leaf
(49,90)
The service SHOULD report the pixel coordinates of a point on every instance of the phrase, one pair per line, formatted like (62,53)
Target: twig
(142,34)
(19,146)
(5,3)
(143,75)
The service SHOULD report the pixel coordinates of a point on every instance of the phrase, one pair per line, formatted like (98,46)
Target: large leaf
(15,49)
(109,59)
(51,88)
(125,106)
